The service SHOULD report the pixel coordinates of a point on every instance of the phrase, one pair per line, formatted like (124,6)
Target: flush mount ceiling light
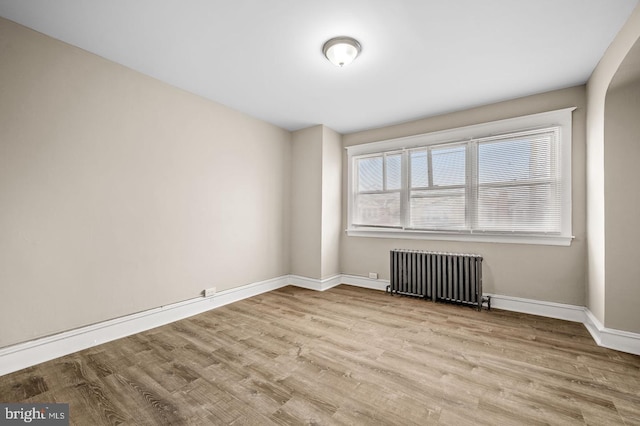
(341,51)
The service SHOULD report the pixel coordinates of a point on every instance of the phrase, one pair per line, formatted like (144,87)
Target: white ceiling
(419,58)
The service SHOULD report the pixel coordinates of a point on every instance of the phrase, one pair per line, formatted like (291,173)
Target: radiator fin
(445,277)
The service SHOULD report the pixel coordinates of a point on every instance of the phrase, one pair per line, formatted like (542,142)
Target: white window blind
(509,183)
(379,187)
(519,183)
(437,190)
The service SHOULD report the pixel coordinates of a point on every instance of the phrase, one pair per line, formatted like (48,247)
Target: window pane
(517,159)
(370,174)
(378,209)
(448,166)
(526,208)
(441,209)
(419,169)
(394,176)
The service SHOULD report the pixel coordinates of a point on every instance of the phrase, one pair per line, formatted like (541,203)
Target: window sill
(550,240)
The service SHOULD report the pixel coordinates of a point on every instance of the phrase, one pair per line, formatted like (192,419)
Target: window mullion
(354,186)
(405,211)
(384,172)
(429,168)
(471,207)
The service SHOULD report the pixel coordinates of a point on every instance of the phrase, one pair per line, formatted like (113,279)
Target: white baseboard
(538,307)
(364,282)
(23,355)
(315,284)
(611,338)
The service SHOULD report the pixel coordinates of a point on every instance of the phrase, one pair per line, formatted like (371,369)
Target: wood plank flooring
(344,356)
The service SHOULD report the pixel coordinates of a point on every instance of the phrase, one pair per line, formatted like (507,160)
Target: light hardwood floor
(344,356)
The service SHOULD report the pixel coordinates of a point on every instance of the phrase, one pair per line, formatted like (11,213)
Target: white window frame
(561,118)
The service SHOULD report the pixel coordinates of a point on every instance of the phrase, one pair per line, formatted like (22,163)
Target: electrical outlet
(208,292)
(373,275)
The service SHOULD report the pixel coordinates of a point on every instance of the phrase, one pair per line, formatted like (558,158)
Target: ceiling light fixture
(341,51)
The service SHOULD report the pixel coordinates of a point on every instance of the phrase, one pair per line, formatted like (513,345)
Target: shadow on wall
(622,197)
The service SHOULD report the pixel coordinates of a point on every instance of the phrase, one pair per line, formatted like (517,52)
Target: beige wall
(597,87)
(331,201)
(316,202)
(306,202)
(119,193)
(539,272)
(622,207)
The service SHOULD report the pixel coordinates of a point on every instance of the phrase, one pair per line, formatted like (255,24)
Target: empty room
(340,212)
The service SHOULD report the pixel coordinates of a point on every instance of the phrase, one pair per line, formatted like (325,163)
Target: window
(379,186)
(504,181)
(437,187)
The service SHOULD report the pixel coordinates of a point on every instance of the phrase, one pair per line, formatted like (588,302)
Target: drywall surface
(306,202)
(119,193)
(316,202)
(331,201)
(622,204)
(597,87)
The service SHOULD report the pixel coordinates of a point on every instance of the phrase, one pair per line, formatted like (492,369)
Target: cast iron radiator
(441,277)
